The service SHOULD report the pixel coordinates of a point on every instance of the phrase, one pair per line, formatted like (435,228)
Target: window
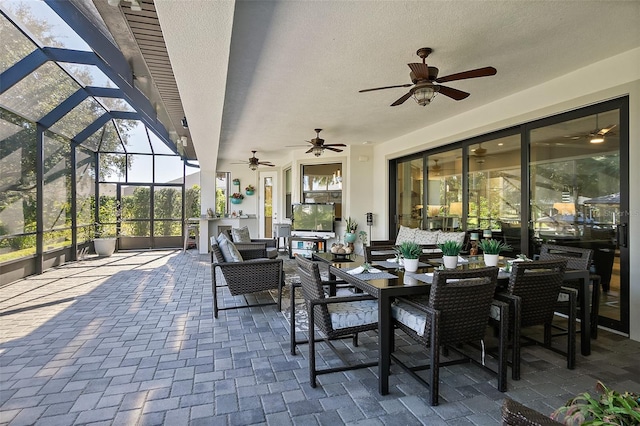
(322,183)
(222,193)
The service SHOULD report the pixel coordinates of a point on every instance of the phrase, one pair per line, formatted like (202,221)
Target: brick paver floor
(131,340)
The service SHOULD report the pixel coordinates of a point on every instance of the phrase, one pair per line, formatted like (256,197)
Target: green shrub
(409,250)
(491,246)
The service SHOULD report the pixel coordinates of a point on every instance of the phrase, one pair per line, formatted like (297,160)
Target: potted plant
(350,235)
(250,189)
(450,252)
(410,253)
(236,198)
(105,239)
(491,249)
(609,408)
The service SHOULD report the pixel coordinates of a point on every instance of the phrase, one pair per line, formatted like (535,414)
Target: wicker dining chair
(532,294)
(335,317)
(456,312)
(577,258)
(255,273)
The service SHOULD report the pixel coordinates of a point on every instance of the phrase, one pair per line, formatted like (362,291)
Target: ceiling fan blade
(386,87)
(420,70)
(310,150)
(480,72)
(456,94)
(242,162)
(606,130)
(334,144)
(402,99)
(265,163)
(333,149)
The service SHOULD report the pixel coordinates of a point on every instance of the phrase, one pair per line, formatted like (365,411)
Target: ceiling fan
(479,153)
(319,146)
(423,78)
(597,135)
(255,162)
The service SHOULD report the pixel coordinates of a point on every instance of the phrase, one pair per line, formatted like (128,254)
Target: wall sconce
(184,122)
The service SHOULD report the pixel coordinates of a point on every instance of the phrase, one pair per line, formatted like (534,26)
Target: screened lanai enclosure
(83,153)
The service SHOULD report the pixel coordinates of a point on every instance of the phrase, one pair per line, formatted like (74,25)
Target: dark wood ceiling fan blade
(334,144)
(266,164)
(333,149)
(420,70)
(456,94)
(402,99)
(310,150)
(386,87)
(480,72)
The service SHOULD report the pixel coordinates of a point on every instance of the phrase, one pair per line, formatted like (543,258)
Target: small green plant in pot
(410,253)
(491,249)
(609,408)
(450,252)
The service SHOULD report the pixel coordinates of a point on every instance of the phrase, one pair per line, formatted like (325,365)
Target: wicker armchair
(271,244)
(577,258)
(532,294)
(335,317)
(516,414)
(456,312)
(254,274)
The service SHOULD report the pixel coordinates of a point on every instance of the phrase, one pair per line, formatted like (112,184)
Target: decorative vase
(236,200)
(350,237)
(104,246)
(410,265)
(250,192)
(491,259)
(450,262)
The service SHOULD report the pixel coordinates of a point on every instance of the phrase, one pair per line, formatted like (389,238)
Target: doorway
(268,208)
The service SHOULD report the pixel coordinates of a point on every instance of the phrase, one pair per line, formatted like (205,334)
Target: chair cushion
(222,237)
(451,236)
(229,251)
(424,237)
(241,235)
(353,314)
(410,316)
(405,234)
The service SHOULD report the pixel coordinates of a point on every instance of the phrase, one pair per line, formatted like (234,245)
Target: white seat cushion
(413,318)
(353,314)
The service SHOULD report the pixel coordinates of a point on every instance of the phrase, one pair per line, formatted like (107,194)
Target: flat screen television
(313,217)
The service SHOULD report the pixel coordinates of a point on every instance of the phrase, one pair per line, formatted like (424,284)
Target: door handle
(622,236)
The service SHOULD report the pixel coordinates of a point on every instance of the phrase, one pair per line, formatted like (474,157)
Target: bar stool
(195,227)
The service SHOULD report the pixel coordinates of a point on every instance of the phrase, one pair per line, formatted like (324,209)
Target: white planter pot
(104,246)
(410,265)
(491,259)
(450,262)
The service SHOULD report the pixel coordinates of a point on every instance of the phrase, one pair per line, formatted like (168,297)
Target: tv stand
(306,244)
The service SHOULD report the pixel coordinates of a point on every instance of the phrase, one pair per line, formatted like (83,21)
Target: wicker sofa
(429,240)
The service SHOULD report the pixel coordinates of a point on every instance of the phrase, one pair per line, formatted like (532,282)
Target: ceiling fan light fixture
(597,139)
(317,151)
(424,95)
(253,167)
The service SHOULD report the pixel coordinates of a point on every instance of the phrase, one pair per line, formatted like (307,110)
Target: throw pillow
(405,234)
(424,237)
(229,251)
(241,235)
(451,236)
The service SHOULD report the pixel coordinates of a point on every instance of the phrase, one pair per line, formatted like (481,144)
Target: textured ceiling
(263,74)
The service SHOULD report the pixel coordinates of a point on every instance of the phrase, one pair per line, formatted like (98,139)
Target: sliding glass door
(576,171)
